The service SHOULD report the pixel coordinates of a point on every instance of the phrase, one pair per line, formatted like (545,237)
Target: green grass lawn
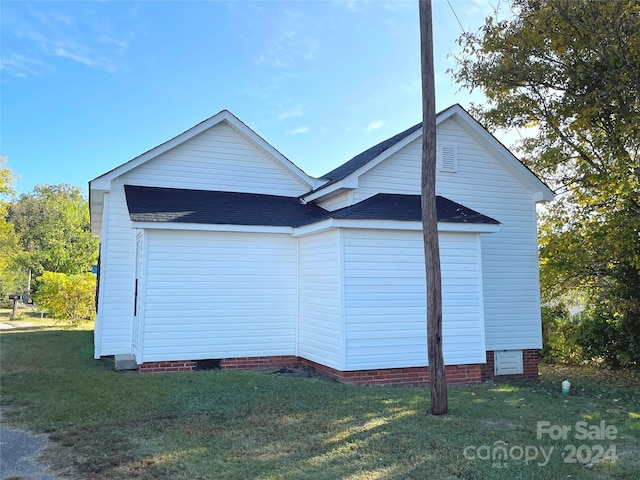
(105,424)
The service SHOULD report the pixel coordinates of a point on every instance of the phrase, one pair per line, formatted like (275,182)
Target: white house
(217,251)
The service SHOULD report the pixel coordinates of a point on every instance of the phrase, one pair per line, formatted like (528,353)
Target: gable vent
(447,158)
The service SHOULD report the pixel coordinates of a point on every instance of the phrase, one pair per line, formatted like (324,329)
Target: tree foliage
(561,333)
(571,70)
(67,297)
(9,240)
(53,224)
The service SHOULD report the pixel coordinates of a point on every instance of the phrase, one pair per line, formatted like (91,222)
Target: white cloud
(46,34)
(411,87)
(21,66)
(284,114)
(353,5)
(300,130)
(375,125)
(86,59)
(291,40)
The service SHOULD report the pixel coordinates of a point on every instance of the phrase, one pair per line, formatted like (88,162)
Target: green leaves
(572,69)
(43,230)
(9,239)
(53,222)
(67,297)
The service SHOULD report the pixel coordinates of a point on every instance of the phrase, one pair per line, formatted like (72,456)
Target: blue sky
(89,85)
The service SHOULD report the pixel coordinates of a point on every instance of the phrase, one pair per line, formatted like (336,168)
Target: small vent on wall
(448,158)
(508,362)
(208,364)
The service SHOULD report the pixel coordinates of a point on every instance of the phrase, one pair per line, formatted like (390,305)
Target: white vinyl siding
(219,295)
(349,299)
(337,201)
(217,159)
(510,258)
(385,299)
(320,336)
(115,309)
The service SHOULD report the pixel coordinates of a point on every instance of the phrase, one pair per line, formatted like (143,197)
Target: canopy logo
(500,452)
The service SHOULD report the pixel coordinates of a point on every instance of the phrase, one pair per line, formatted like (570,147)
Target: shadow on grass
(224,424)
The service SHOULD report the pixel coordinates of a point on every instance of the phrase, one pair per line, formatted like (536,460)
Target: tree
(53,224)
(9,240)
(437,377)
(571,69)
(67,297)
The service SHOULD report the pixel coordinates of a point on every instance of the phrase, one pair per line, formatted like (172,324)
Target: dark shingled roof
(387,206)
(365,157)
(153,204)
(171,205)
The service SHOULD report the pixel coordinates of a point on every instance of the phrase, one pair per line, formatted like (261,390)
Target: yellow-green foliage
(67,297)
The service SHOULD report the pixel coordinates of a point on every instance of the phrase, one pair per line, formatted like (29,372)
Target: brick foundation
(166,367)
(530,364)
(397,376)
(252,363)
(384,376)
(529,367)
(387,376)
(488,368)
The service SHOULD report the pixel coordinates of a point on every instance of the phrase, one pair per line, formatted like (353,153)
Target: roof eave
(333,223)
(213,227)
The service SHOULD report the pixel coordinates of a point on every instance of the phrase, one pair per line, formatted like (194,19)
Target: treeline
(46,248)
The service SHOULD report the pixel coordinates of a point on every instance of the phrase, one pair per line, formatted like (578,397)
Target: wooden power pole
(437,378)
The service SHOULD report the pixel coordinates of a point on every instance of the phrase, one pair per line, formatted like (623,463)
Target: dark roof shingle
(154,204)
(172,205)
(365,157)
(387,206)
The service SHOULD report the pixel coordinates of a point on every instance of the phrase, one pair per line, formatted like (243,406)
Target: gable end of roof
(365,160)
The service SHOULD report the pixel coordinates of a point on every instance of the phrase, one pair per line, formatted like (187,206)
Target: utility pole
(437,380)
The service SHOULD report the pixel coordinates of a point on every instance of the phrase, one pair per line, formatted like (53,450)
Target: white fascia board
(543,196)
(332,223)
(349,183)
(203,227)
(317,227)
(468,227)
(96,211)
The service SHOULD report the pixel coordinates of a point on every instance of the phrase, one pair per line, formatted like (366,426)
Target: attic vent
(448,158)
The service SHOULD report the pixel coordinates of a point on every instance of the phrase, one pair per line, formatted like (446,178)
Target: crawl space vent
(209,364)
(508,362)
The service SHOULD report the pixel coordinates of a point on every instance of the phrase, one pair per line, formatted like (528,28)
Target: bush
(67,297)
(560,335)
(611,336)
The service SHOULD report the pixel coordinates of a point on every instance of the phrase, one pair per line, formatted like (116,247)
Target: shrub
(560,335)
(611,336)
(67,297)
